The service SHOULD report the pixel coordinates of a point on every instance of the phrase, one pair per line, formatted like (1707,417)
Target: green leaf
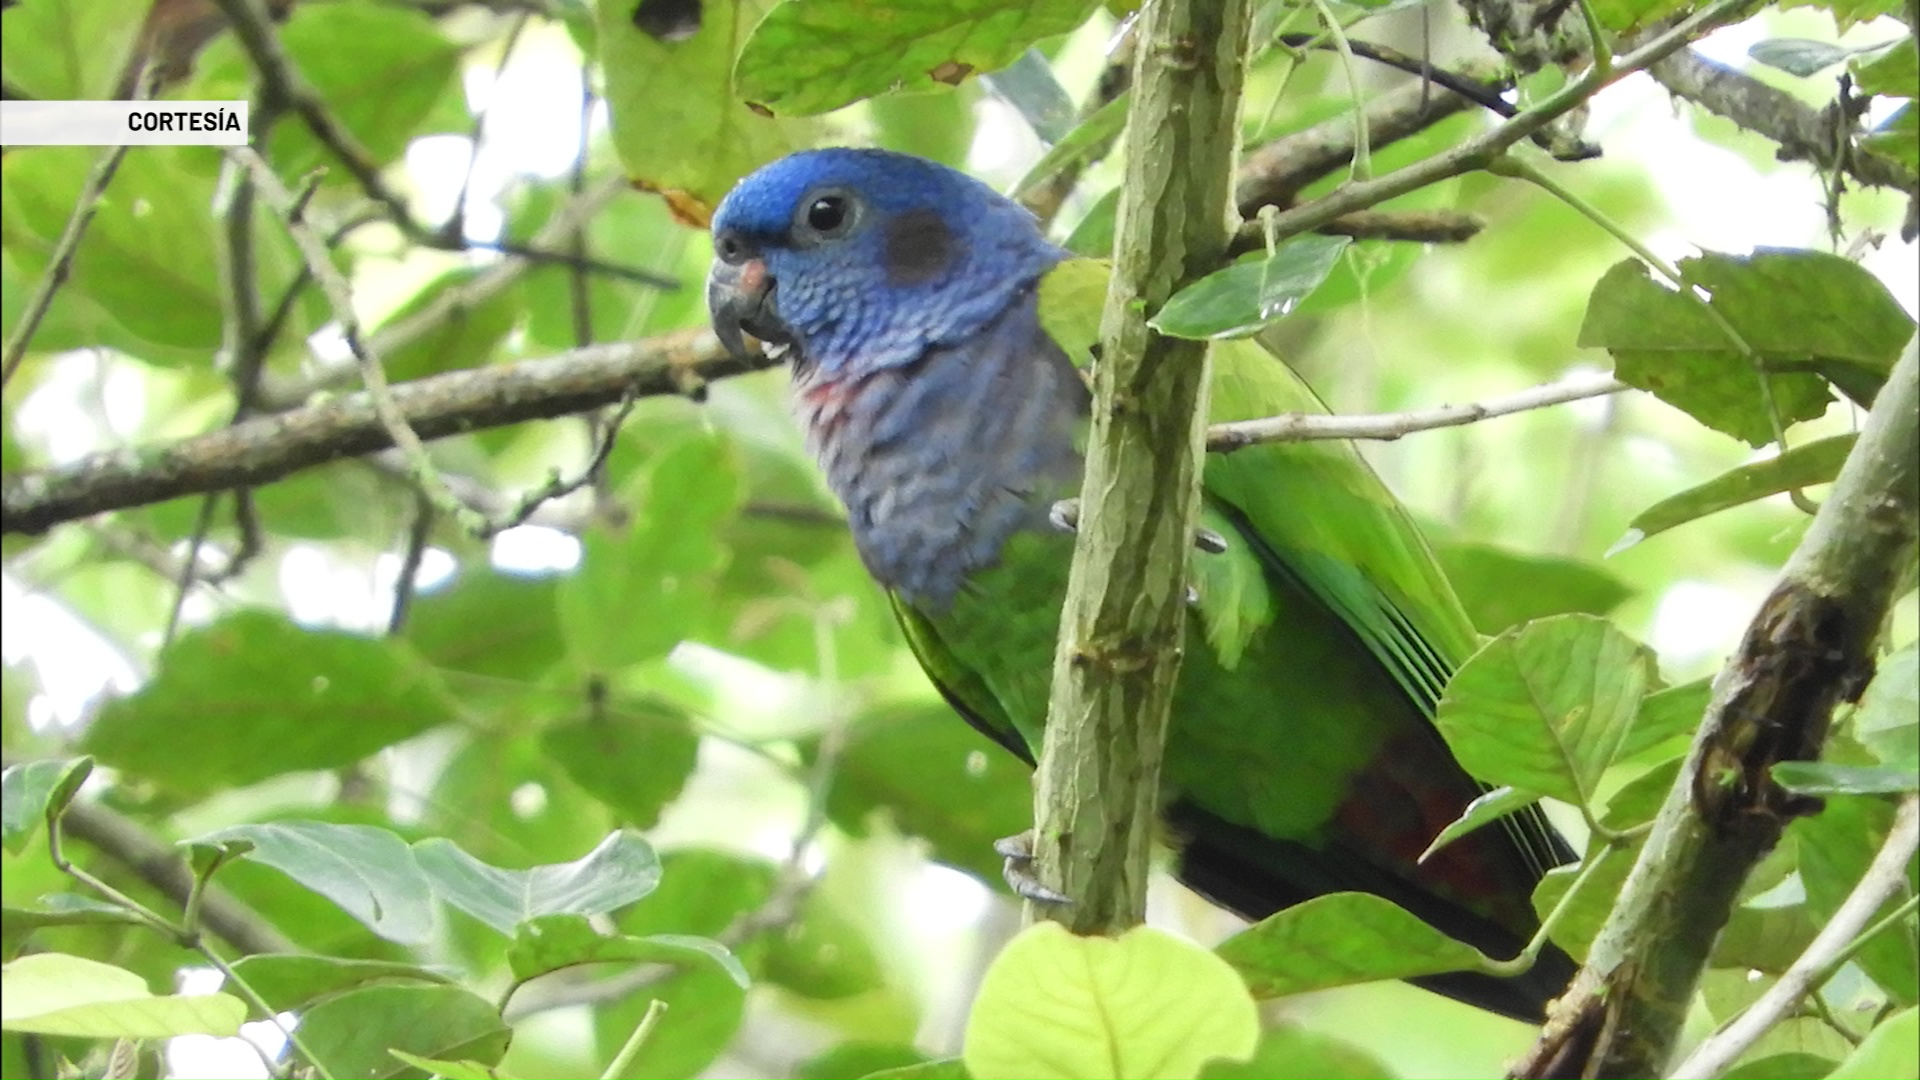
(1077,148)
(1849,13)
(937,779)
(823,955)
(1288,1052)
(940,1069)
(1071,296)
(70,50)
(1670,714)
(1887,722)
(254,696)
(704,1011)
(1484,810)
(488,622)
(817,56)
(1092,235)
(1802,466)
(634,756)
(622,869)
(1628,14)
(678,124)
(1765,939)
(57,994)
(1252,294)
(637,596)
(370,873)
(1835,847)
(1580,923)
(1827,778)
(1338,940)
(465,339)
(33,791)
(1791,1065)
(1548,706)
(1798,56)
(1638,801)
(450,1070)
(1146,1004)
(1898,138)
(145,277)
(859,1057)
(1892,1048)
(1783,303)
(355,1032)
(379,69)
(1895,72)
(551,942)
(291,980)
(1501,588)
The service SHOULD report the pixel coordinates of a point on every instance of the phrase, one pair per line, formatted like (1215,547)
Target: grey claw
(1193,596)
(1209,541)
(1018,870)
(1065,515)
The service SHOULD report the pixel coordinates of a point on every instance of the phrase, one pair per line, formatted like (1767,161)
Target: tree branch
(60,263)
(1809,649)
(1096,800)
(1299,427)
(267,448)
(1802,132)
(1886,878)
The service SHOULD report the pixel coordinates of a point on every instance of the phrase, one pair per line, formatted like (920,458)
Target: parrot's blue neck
(941,461)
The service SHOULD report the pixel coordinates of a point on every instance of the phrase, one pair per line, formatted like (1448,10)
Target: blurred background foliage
(687,645)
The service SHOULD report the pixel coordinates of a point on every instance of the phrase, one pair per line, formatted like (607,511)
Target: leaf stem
(618,1066)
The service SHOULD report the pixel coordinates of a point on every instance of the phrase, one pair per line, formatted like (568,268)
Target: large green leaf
(1835,847)
(1887,722)
(1501,588)
(1146,1004)
(632,755)
(56,994)
(638,595)
(1338,940)
(1252,294)
(380,69)
(817,56)
(1808,316)
(254,696)
(491,623)
(622,869)
(32,790)
(353,1033)
(552,942)
(464,339)
(291,980)
(370,873)
(678,124)
(1288,1052)
(1802,466)
(937,778)
(69,50)
(1548,706)
(1892,1048)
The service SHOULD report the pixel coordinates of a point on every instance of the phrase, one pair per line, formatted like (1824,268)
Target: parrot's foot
(1018,851)
(1065,516)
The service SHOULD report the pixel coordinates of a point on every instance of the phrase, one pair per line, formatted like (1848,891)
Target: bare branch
(1884,879)
(1802,132)
(61,263)
(1809,649)
(267,448)
(1300,427)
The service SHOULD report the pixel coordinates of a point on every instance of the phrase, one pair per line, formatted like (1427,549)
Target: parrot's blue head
(863,259)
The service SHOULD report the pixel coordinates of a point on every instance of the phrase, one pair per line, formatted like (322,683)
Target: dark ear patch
(920,247)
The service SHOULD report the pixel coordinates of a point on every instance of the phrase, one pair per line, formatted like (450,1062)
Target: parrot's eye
(730,248)
(826,215)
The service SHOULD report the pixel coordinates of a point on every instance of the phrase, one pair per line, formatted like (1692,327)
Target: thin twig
(60,265)
(340,295)
(1884,879)
(1297,427)
(416,552)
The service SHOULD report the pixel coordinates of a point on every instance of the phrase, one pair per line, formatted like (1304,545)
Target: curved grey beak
(740,297)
